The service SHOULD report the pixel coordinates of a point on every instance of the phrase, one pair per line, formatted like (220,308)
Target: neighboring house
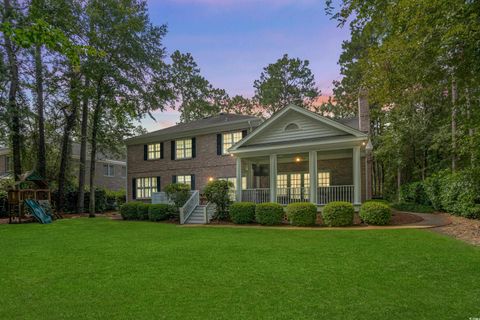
(296,155)
(110,171)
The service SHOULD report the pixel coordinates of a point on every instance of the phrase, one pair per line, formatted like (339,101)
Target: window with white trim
(324,179)
(145,187)
(154,151)
(109,170)
(282,184)
(229,139)
(183,149)
(187,179)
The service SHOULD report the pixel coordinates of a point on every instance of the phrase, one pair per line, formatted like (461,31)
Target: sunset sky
(232,40)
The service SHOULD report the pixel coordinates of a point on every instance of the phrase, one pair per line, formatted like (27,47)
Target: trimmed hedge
(129,210)
(338,214)
(375,213)
(302,213)
(242,212)
(142,211)
(159,212)
(269,213)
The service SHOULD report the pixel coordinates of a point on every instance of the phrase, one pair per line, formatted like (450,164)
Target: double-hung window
(145,187)
(229,139)
(324,179)
(154,151)
(108,170)
(187,179)
(183,149)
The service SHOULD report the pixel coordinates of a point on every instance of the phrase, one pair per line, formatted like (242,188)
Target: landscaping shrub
(218,192)
(338,214)
(242,212)
(412,207)
(375,213)
(159,212)
(179,193)
(302,213)
(71,196)
(415,193)
(142,211)
(129,210)
(269,213)
(114,199)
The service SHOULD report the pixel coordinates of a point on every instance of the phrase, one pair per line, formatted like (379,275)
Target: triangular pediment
(293,124)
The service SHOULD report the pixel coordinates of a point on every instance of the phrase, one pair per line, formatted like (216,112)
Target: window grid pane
(324,179)
(145,187)
(183,149)
(229,139)
(154,151)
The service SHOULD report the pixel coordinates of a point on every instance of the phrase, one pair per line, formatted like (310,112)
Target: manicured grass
(103,269)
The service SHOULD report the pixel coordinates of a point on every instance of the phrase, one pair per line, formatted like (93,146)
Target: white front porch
(315,176)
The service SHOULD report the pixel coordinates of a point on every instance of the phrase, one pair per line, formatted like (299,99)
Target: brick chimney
(363,111)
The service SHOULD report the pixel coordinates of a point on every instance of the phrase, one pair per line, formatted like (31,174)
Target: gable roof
(227,121)
(337,126)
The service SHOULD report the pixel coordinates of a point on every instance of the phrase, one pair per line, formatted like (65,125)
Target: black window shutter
(172,146)
(219,144)
(174,179)
(145,152)
(194,147)
(134,188)
(192,178)
(158,185)
(161,150)
(244,133)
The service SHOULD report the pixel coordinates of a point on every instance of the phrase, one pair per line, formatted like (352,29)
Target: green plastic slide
(38,212)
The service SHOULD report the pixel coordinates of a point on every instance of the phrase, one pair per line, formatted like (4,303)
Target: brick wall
(206,164)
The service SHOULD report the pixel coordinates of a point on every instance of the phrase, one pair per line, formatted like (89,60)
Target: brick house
(110,171)
(272,160)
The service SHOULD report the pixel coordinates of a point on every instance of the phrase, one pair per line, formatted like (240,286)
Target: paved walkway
(430,220)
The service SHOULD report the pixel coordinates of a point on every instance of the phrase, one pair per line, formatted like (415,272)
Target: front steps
(197,216)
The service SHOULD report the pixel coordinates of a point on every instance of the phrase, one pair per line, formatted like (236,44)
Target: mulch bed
(464,229)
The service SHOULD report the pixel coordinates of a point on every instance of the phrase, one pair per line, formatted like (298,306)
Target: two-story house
(110,171)
(295,155)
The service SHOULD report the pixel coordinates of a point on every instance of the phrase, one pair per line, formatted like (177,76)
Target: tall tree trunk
(93,153)
(69,125)
(399,181)
(454,125)
(41,158)
(83,151)
(13,109)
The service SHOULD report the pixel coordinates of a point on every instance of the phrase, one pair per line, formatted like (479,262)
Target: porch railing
(289,195)
(189,206)
(256,195)
(335,193)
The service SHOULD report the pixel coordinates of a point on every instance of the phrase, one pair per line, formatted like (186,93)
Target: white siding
(309,128)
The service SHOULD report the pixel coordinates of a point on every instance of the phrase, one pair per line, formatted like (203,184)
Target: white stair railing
(189,206)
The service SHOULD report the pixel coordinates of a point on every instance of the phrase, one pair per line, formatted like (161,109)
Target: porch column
(273,178)
(313,171)
(356,176)
(239,179)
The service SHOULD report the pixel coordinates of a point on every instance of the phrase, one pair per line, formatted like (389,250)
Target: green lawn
(103,269)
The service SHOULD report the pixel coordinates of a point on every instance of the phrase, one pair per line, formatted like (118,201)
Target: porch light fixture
(297,159)
(210,179)
(369,146)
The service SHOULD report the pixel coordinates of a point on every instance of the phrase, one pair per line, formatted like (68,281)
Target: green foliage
(269,213)
(142,210)
(242,212)
(412,207)
(179,193)
(129,210)
(287,81)
(71,197)
(414,192)
(338,214)
(302,213)
(115,199)
(375,213)
(218,192)
(159,212)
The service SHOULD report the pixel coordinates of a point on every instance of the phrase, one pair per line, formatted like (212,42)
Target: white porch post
(273,178)
(313,171)
(239,179)
(356,176)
